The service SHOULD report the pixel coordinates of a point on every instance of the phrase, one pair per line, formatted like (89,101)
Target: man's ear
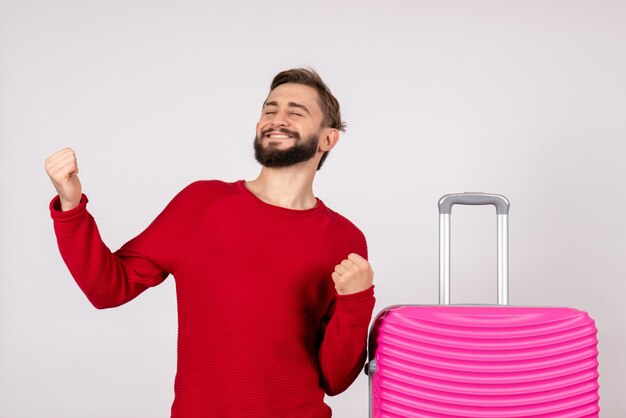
(329,139)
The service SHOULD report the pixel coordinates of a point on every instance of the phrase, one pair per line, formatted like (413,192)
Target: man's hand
(353,275)
(62,169)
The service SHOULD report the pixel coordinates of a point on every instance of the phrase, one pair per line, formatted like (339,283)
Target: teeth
(279,136)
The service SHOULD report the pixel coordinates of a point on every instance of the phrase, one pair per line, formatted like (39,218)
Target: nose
(279,119)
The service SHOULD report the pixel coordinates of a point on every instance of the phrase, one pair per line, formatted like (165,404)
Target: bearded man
(274,289)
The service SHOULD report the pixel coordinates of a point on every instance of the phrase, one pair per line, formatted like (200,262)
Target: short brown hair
(328,103)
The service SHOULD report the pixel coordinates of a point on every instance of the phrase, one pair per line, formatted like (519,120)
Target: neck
(287,187)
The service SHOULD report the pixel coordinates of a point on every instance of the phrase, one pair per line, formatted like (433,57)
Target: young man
(274,290)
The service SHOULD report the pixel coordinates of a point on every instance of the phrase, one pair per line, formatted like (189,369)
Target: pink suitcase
(482,361)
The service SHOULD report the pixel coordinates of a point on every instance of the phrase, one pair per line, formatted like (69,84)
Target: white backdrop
(523,98)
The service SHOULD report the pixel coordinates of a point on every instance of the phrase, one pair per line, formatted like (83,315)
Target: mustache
(295,134)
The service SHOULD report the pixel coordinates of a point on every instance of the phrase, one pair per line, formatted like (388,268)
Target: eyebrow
(290,104)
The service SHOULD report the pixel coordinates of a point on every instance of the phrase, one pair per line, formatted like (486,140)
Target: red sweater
(261,329)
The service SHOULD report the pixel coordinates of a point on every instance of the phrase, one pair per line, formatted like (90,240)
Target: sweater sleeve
(110,279)
(343,351)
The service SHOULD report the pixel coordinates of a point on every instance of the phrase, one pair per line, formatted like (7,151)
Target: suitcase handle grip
(500,202)
(502,209)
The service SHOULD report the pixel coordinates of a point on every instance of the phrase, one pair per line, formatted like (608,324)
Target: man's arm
(343,349)
(110,279)
(107,279)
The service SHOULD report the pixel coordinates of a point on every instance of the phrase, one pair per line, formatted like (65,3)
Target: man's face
(289,128)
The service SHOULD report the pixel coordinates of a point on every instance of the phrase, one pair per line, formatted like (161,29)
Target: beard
(301,151)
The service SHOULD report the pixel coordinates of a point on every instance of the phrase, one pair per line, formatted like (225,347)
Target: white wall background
(523,98)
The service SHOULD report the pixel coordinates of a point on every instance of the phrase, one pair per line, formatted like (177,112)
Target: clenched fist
(62,169)
(353,275)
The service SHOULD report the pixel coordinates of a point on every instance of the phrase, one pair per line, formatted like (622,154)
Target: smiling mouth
(280,135)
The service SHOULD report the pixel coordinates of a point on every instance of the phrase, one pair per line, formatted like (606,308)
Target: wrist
(67,205)
(363,293)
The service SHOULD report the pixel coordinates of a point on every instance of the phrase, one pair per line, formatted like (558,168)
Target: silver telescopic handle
(502,209)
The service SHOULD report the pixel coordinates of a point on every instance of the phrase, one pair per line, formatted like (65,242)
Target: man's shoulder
(209,187)
(342,224)
(346,235)
(204,193)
